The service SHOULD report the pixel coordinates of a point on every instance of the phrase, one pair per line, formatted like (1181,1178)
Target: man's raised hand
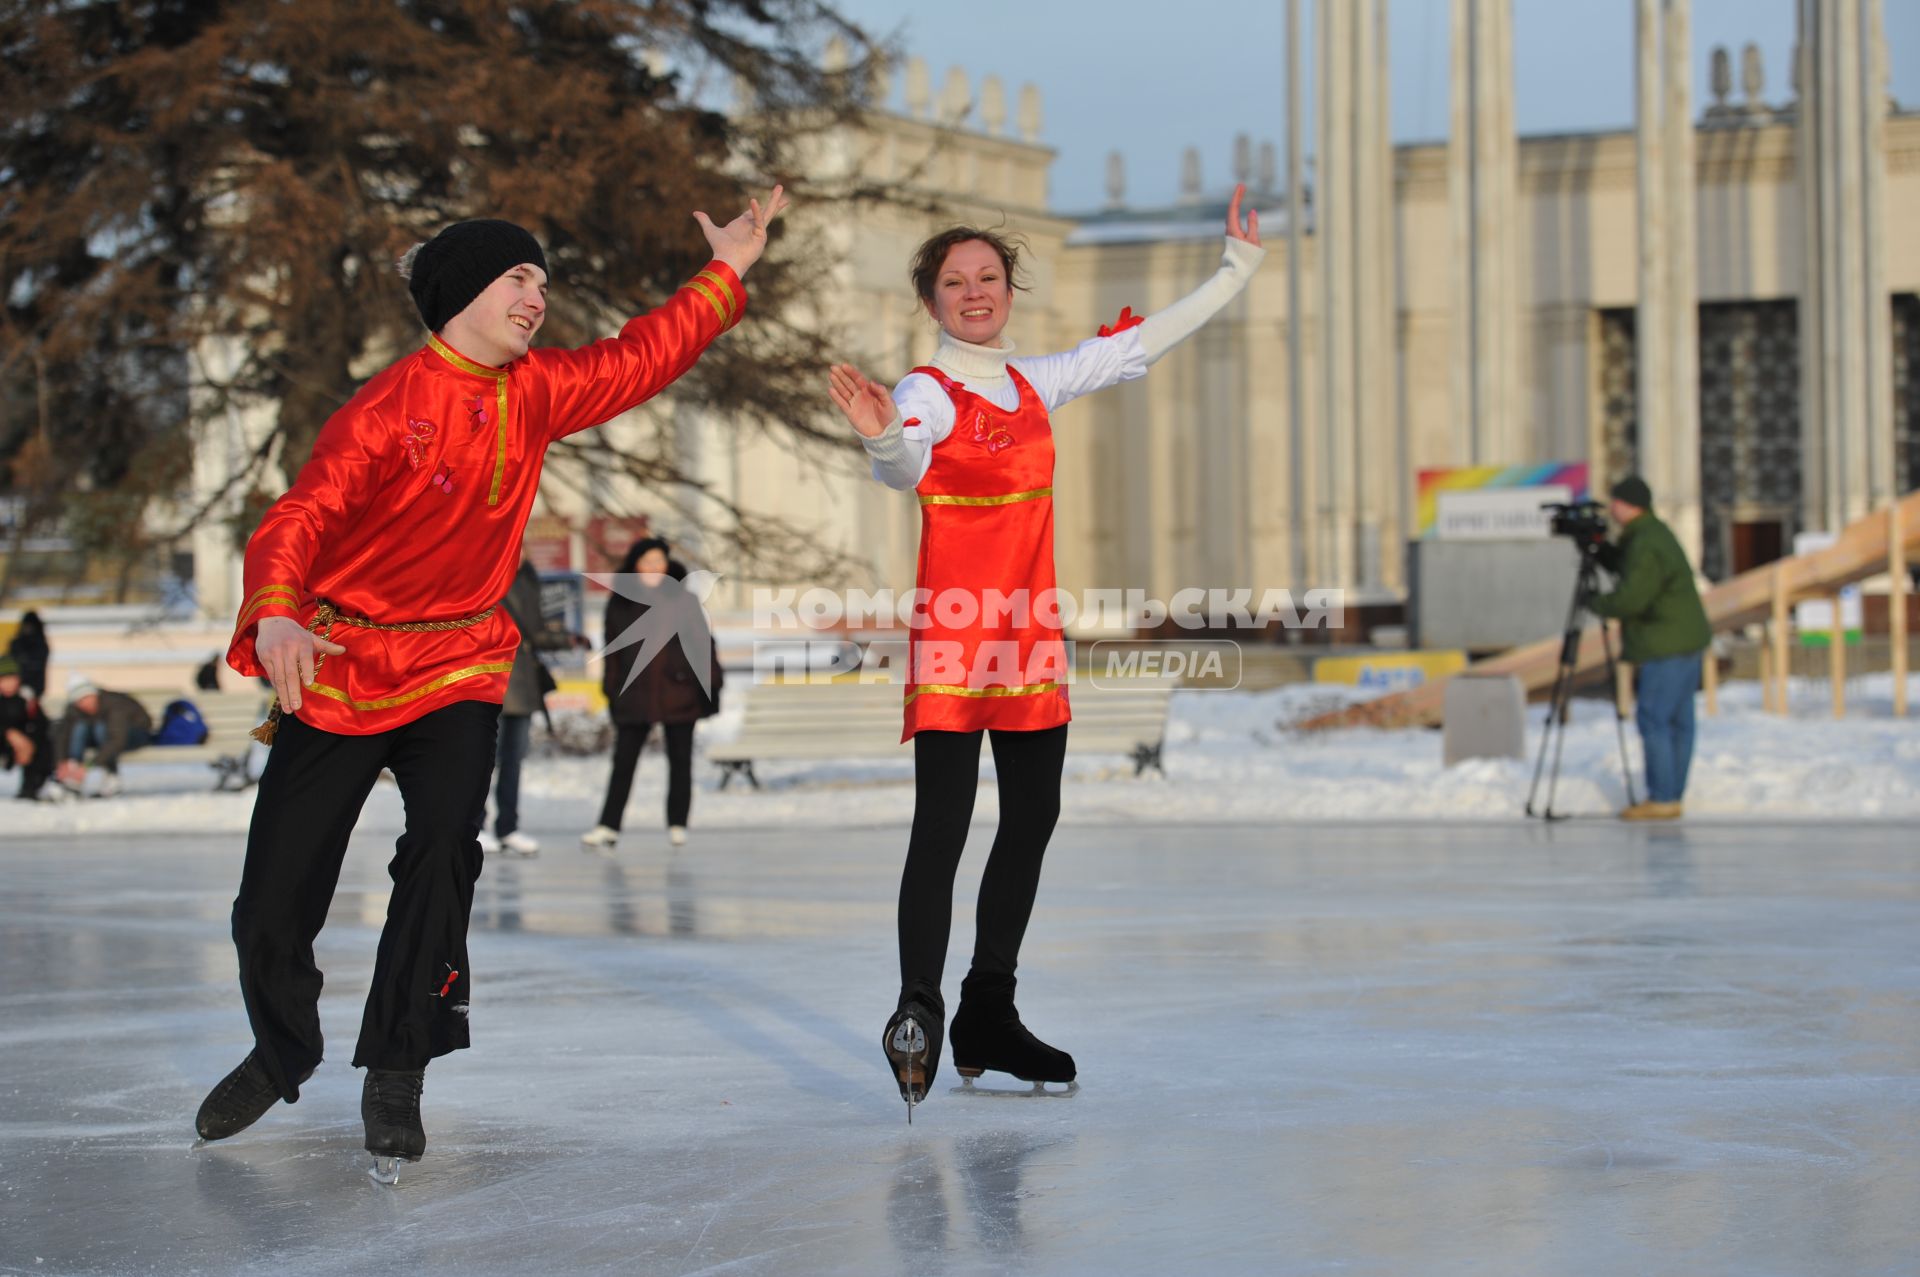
(740,242)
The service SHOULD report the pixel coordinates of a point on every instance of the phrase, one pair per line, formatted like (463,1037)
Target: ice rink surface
(1304,1049)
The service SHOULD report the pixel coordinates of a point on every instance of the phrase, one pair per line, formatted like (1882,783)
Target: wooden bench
(818,722)
(230,717)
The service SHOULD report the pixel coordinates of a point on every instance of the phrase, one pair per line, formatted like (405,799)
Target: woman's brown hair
(932,255)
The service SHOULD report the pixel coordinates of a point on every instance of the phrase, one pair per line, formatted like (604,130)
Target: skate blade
(386,1170)
(1035,1091)
(907,1050)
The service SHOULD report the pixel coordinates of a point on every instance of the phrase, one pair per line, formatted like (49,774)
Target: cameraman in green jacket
(1663,632)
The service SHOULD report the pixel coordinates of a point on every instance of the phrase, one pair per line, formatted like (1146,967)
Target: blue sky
(1149,80)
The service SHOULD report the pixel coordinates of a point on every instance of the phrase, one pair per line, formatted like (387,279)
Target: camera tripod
(1586,585)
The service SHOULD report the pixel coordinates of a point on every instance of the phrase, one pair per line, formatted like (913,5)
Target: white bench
(817,722)
(230,718)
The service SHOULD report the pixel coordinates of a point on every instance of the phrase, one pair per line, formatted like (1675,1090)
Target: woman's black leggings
(629,739)
(946,768)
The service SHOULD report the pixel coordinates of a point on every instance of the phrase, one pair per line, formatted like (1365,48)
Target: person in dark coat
(667,691)
(1663,631)
(29,648)
(108,723)
(25,739)
(527,688)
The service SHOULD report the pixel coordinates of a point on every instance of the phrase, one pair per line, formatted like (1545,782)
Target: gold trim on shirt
(726,294)
(951,689)
(936,498)
(499,376)
(389,702)
(719,308)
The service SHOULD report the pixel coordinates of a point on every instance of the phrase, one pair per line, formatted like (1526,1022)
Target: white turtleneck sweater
(923,414)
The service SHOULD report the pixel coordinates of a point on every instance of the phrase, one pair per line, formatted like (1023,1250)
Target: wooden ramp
(1863,549)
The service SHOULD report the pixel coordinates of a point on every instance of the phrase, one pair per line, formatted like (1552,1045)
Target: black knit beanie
(1634,491)
(462,261)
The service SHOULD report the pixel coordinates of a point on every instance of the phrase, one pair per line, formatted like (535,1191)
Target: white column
(1296,320)
(1882,471)
(1651,328)
(1809,163)
(1334,234)
(1495,152)
(1850,498)
(1680,503)
(1460,174)
(1483,198)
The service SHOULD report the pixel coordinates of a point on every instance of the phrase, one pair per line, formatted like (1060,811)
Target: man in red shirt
(371,605)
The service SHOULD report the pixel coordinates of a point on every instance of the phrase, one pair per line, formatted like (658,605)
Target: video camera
(1583,522)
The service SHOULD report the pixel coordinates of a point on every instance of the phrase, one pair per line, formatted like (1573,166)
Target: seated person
(109,723)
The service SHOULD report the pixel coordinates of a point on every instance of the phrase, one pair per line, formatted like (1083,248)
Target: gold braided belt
(326,616)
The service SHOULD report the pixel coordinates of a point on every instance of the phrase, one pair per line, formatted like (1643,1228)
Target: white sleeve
(1100,362)
(1165,329)
(922,417)
(1095,364)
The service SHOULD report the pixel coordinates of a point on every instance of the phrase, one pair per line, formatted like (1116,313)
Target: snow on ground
(1230,757)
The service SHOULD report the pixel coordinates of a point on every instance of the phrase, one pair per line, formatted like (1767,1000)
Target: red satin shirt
(986,529)
(413,503)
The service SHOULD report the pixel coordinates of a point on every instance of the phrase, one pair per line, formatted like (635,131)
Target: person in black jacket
(25,739)
(667,691)
(29,648)
(527,688)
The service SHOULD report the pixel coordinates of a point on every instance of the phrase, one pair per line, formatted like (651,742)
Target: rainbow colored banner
(1571,475)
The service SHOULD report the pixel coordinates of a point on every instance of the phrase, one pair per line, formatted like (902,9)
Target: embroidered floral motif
(443,479)
(419,435)
(997,438)
(1127,320)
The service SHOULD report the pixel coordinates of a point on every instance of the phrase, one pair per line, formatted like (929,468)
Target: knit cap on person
(1634,491)
(462,261)
(8,665)
(80,686)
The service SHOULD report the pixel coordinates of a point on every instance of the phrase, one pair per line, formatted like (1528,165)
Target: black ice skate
(987,1034)
(912,1044)
(390,1107)
(240,1099)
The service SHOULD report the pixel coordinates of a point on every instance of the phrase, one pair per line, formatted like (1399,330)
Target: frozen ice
(1418,1047)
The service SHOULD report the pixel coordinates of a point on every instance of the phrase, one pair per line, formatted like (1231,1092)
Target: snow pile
(1231,757)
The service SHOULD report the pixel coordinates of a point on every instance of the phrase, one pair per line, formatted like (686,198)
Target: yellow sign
(577,694)
(1389,671)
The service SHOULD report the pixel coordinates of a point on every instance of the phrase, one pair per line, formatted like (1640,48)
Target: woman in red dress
(970,434)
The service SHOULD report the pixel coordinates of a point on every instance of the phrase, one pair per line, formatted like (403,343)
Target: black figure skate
(987,1034)
(390,1107)
(239,1100)
(912,1045)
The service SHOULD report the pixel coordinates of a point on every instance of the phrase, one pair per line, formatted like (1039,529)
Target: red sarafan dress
(986,649)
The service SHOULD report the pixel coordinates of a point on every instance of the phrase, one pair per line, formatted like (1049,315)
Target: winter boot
(390,1107)
(911,1042)
(241,1099)
(987,1034)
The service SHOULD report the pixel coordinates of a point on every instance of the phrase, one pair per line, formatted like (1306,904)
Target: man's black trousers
(310,795)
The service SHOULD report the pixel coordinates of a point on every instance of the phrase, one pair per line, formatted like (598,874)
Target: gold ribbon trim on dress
(952,689)
(327,616)
(936,498)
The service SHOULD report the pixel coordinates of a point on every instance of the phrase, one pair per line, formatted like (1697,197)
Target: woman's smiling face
(972,297)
